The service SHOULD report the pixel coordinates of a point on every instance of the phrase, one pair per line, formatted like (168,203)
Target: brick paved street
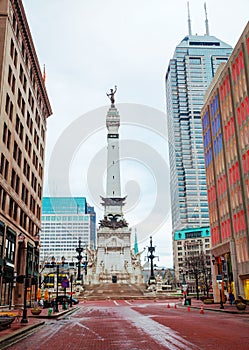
(140,325)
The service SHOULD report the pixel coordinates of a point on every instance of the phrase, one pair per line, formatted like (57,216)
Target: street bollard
(50,310)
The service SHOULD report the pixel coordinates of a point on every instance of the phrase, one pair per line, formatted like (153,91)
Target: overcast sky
(90,46)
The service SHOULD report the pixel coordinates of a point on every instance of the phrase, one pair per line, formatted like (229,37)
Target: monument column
(114,263)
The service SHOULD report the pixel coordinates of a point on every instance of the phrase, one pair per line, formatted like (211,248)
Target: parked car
(67,299)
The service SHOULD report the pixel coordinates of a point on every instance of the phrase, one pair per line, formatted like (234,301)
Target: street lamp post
(57,283)
(24,314)
(71,294)
(79,250)
(219,281)
(23,278)
(184,287)
(151,257)
(57,288)
(85,261)
(221,301)
(219,277)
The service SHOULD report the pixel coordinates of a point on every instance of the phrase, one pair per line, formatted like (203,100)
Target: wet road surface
(140,325)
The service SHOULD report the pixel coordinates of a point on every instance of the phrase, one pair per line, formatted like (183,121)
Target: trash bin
(50,310)
(188,301)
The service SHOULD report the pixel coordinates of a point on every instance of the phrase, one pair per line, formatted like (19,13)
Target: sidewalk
(18,328)
(232,309)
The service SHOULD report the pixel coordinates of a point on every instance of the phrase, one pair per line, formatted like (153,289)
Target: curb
(54,316)
(28,328)
(21,331)
(222,310)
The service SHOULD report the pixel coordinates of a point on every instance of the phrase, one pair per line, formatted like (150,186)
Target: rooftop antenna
(189,21)
(206,20)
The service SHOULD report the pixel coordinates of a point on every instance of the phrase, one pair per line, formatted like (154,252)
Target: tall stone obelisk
(115,262)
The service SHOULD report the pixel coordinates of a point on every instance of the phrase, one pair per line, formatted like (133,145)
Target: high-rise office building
(24,109)
(225,122)
(189,73)
(65,221)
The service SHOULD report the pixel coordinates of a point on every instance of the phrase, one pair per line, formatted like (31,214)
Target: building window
(10,245)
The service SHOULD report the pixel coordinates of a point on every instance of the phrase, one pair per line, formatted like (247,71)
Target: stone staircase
(113,291)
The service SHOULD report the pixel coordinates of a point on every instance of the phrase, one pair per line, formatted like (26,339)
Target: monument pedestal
(115,262)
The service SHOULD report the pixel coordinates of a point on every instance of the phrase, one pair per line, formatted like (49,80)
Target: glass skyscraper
(65,220)
(189,73)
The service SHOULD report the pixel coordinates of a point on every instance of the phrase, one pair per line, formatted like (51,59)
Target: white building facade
(65,221)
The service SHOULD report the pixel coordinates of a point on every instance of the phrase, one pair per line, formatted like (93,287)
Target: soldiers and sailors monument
(114,261)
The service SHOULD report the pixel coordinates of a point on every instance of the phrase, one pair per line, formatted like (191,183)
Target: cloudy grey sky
(88,47)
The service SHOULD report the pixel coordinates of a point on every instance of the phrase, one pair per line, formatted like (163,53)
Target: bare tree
(198,268)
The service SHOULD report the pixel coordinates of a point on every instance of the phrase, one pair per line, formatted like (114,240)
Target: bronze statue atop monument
(111,95)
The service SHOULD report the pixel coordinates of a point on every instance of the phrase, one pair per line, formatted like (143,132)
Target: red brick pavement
(34,321)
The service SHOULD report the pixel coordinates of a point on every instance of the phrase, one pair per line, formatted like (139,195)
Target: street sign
(65,283)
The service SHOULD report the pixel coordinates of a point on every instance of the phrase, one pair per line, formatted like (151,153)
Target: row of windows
(223,206)
(222,184)
(20,99)
(217,144)
(29,67)
(234,173)
(242,249)
(239,78)
(17,156)
(6,136)
(19,128)
(243,111)
(226,230)
(245,162)
(211,194)
(229,129)
(11,80)
(231,152)
(239,222)
(236,196)
(9,107)
(244,136)
(15,179)
(4,167)
(225,88)
(216,124)
(215,235)
(207,138)
(208,156)
(214,106)
(48,218)
(9,206)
